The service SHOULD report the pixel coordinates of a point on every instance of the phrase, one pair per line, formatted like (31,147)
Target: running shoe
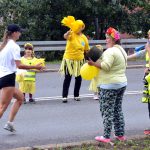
(9,127)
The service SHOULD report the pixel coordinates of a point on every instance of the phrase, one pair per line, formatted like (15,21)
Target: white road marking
(81,96)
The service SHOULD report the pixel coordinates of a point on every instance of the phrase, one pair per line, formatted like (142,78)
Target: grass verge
(132,144)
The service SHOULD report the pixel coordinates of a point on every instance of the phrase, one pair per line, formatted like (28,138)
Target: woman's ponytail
(6,36)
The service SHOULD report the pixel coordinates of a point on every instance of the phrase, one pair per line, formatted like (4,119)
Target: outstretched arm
(137,55)
(147,47)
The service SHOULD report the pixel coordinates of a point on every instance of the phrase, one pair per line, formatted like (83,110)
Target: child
(94,82)
(28,83)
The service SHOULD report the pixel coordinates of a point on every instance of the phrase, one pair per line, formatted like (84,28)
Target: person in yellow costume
(95,81)
(28,83)
(146,80)
(73,59)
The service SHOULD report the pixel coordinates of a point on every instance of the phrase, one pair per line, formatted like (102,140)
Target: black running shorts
(8,81)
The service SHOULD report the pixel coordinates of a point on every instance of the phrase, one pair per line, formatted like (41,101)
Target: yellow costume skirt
(27,87)
(71,66)
(93,85)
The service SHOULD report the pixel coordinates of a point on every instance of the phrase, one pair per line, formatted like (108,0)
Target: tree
(42,19)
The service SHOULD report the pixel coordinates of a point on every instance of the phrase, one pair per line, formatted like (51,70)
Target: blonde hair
(5,38)
(29,45)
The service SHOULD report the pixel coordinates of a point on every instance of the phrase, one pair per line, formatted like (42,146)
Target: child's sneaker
(9,127)
(147,131)
(121,138)
(102,139)
(24,101)
(95,97)
(31,100)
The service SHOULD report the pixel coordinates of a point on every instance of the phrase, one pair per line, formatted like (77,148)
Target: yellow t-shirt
(76,46)
(27,61)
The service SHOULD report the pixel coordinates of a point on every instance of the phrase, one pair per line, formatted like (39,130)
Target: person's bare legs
(6,96)
(18,95)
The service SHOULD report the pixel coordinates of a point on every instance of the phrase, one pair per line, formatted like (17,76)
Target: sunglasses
(29,48)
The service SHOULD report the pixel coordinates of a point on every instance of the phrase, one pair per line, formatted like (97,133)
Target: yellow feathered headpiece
(67,21)
(77,25)
(74,25)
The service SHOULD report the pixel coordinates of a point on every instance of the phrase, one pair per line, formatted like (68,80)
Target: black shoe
(31,100)
(77,98)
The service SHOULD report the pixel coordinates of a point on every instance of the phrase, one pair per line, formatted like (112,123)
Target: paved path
(51,121)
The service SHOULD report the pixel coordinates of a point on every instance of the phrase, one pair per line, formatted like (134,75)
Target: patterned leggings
(111,109)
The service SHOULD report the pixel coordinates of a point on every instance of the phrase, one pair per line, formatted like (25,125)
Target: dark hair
(6,36)
(118,42)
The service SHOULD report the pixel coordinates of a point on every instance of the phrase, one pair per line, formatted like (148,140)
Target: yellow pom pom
(67,21)
(88,72)
(39,60)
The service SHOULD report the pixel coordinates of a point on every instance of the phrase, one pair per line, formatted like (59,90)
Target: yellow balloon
(88,72)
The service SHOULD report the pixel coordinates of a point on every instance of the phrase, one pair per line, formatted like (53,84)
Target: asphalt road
(50,121)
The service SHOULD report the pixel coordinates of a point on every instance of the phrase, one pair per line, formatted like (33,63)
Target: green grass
(54,62)
(135,144)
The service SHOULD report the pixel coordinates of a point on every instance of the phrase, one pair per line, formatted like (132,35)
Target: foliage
(42,18)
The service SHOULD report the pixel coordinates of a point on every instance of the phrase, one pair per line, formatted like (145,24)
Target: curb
(74,144)
(128,67)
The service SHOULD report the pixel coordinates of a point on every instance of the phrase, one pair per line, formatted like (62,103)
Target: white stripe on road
(81,96)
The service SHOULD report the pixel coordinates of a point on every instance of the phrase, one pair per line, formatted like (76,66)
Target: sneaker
(24,101)
(9,127)
(31,100)
(121,138)
(102,139)
(96,97)
(77,98)
(147,131)
(64,100)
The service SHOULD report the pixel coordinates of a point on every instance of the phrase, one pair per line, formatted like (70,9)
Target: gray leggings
(111,109)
